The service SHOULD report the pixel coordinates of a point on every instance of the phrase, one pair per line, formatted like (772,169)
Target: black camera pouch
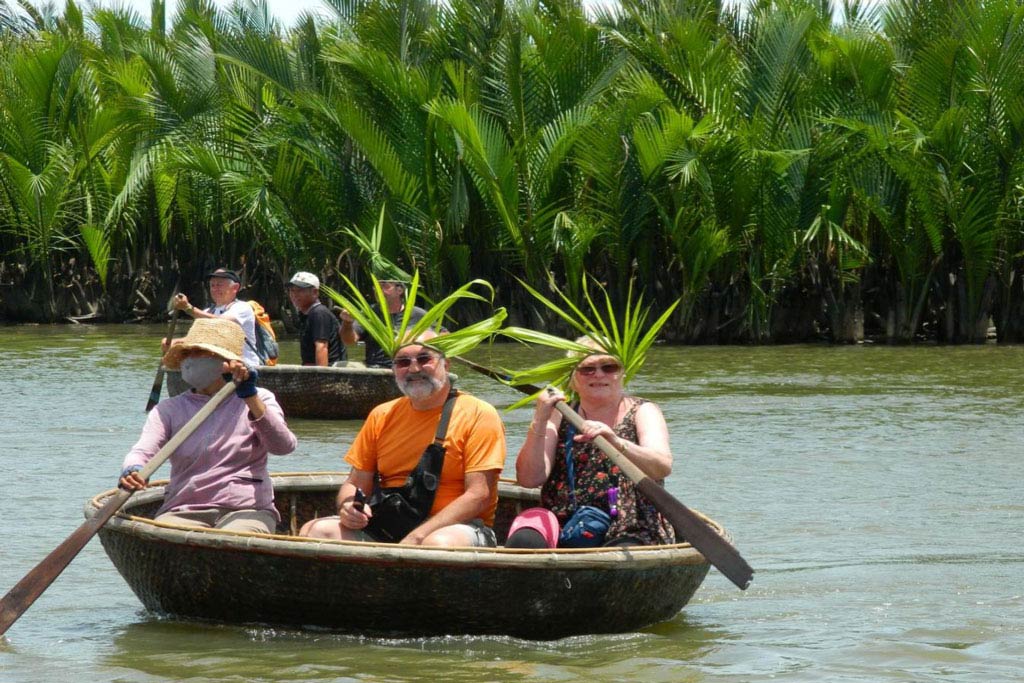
(399,510)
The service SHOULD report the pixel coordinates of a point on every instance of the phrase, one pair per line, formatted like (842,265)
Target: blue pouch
(588,525)
(585,529)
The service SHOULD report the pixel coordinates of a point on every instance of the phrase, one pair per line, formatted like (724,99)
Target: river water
(876,491)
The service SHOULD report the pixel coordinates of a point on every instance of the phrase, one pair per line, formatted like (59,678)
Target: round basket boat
(389,590)
(329,393)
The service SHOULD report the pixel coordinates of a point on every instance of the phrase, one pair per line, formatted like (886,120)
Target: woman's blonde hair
(598,348)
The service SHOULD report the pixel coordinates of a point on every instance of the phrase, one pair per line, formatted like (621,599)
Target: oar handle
(625,464)
(527,389)
(186,431)
(21,597)
(687,523)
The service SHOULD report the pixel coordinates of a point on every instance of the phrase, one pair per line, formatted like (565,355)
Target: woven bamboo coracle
(390,590)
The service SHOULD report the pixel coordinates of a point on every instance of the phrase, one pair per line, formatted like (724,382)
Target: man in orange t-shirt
(393,439)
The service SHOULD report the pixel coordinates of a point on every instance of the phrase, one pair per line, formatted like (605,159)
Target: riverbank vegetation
(793,170)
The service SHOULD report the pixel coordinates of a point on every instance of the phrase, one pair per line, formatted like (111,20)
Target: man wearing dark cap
(224,286)
(394,297)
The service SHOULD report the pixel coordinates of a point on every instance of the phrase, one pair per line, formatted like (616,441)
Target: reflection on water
(197,651)
(876,492)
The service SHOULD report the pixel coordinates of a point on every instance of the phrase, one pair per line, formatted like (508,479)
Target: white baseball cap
(304,279)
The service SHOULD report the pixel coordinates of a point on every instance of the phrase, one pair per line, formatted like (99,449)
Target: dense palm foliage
(789,171)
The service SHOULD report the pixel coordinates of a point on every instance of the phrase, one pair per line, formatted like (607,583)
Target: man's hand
(181,302)
(351,518)
(414,537)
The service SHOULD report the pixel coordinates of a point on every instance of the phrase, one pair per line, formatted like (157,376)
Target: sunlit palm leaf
(376,320)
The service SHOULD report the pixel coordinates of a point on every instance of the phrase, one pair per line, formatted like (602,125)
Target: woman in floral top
(634,426)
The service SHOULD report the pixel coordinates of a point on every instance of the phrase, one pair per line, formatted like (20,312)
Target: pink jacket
(224,462)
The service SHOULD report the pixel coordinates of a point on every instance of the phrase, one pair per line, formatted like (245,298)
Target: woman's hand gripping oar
(21,597)
(687,523)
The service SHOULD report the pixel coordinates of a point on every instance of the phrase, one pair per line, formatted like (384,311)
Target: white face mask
(201,372)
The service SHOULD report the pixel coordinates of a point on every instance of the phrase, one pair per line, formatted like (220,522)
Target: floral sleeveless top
(595,474)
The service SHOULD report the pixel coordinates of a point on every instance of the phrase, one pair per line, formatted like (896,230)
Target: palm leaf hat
(376,320)
(602,332)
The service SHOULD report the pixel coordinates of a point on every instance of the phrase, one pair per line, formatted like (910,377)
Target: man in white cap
(319,342)
(224,286)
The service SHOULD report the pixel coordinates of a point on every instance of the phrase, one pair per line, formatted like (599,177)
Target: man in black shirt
(319,342)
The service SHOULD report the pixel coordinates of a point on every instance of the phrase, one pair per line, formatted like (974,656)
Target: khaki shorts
(255,521)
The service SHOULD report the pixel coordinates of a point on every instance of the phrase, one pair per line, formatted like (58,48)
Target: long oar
(21,597)
(687,523)
(158,382)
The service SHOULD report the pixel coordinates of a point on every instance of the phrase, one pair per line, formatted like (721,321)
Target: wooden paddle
(158,382)
(21,597)
(687,523)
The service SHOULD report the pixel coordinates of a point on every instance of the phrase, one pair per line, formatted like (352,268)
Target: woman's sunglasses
(422,359)
(606,368)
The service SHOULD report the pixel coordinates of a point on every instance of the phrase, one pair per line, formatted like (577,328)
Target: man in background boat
(319,341)
(224,286)
(390,445)
(219,477)
(394,297)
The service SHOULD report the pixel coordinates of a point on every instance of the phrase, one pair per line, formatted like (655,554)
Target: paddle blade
(21,597)
(695,530)
(154,393)
(158,381)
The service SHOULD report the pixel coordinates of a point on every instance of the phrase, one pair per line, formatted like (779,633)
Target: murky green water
(876,491)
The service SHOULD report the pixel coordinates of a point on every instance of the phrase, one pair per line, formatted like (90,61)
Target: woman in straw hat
(219,476)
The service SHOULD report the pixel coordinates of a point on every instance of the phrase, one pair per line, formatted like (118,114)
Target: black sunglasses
(422,359)
(606,368)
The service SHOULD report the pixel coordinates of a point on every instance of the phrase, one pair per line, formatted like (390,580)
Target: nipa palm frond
(376,321)
(607,333)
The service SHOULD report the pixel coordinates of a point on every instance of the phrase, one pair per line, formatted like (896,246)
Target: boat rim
(626,558)
(352,367)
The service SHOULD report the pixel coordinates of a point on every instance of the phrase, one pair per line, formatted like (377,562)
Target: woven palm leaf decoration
(626,337)
(376,321)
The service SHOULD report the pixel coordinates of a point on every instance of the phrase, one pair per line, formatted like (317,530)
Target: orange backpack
(266,340)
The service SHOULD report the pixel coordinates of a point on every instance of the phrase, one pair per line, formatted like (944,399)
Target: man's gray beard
(420,390)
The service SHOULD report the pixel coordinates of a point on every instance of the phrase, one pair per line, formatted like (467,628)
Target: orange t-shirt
(395,435)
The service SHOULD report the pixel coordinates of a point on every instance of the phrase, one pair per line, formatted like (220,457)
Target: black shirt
(319,324)
(375,356)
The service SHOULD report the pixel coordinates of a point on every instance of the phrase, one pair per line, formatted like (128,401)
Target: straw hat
(218,335)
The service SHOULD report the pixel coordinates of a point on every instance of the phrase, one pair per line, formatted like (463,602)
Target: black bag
(399,510)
